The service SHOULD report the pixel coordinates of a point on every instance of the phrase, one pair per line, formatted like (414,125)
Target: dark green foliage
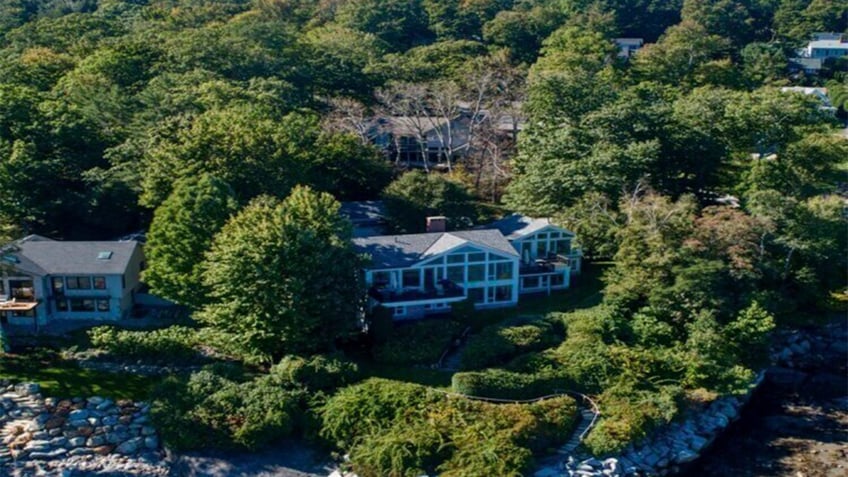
(500,384)
(173,345)
(401,429)
(181,233)
(498,344)
(283,300)
(380,325)
(317,373)
(416,195)
(209,410)
(417,343)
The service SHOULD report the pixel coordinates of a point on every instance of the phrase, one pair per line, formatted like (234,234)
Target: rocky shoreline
(78,436)
(677,446)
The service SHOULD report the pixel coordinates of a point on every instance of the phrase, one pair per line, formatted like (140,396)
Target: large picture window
(476,273)
(411,279)
(82,305)
(456,274)
(500,270)
(79,283)
(501,294)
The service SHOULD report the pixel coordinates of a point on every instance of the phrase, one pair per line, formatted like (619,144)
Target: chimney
(438,223)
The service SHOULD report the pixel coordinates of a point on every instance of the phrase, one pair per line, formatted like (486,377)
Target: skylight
(104,255)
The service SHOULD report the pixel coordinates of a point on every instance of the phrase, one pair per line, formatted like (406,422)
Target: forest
(713,199)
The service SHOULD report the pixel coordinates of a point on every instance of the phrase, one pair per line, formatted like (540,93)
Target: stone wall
(92,434)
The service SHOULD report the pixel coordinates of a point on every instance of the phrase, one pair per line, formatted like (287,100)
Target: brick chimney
(438,223)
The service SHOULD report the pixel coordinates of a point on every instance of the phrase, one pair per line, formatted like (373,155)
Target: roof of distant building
(828,44)
(516,226)
(43,256)
(826,35)
(398,251)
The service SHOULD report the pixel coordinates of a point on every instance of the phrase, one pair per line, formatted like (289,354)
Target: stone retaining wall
(49,435)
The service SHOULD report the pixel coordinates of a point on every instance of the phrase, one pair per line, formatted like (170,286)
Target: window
(477,257)
(501,294)
(476,273)
(58,284)
(456,274)
(82,304)
(99,283)
(79,283)
(103,305)
(563,247)
(380,279)
(500,271)
(62,305)
(411,279)
(456,258)
(542,251)
(477,295)
(542,237)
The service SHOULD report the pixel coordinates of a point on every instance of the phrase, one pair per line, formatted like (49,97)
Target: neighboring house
(547,258)
(824,46)
(810,66)
(818,93)
(48,280)
(418,274)
(628,46)
(413,139)
(367,216)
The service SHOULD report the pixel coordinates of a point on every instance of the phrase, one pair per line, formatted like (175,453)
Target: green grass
(61,378)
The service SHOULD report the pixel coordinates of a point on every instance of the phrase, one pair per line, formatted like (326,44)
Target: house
(367,216)
(824,46)
(547,258)
(416,140)
(810,66)
(819,93)
(628,46)
(418,274)
(48,280)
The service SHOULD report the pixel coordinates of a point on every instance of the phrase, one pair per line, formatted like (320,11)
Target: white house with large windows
(418,274)
(45,280)
(547,259)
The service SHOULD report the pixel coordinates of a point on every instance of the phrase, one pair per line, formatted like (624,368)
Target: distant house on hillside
(628,46)
(818,93)
(46,280)
(419,140)
(824,46)
(418,274)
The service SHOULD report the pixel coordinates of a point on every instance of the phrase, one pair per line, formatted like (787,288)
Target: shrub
(418,343)
(501,384)
(318,373)
(380,324)
(369,407)
(404,450)
(498,344)
(210,410)
(166,345)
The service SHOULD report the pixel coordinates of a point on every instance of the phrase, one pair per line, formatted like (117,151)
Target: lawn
(61,378)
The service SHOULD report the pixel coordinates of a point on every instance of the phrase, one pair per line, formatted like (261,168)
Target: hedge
(175,344)
(501,384)
(317,373)
(498,344)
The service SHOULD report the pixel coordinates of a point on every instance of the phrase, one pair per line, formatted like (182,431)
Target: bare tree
(350,116)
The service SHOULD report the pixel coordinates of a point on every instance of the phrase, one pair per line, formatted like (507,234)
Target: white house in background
(548,259)
(46,280)
(824,46)
(628,46)
(818,93)
(418,274)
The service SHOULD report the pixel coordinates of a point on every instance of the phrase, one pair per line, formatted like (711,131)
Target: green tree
(401,24)
(283,277)
(414,196)
(181,233)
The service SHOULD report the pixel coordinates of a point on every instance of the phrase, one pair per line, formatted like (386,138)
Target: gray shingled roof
(364,211)
(516,226)
(42,256)
(398,251)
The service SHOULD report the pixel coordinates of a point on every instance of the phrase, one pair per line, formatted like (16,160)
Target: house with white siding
(419,274)
(46,280)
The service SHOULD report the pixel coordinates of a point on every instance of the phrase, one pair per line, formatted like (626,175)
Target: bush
(175,344)
(399,429)
(418,343)
(210,410)
(497,344)
(380,325)
(318,373)
(500,384)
